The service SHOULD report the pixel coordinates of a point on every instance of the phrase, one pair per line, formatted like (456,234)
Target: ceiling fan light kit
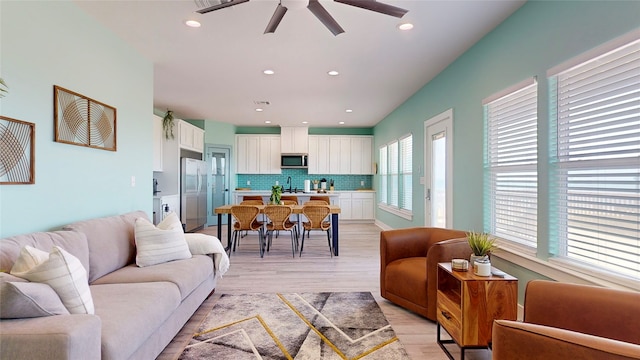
(313,5)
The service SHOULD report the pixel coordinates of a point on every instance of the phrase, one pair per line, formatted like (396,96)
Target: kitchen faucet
(289,182)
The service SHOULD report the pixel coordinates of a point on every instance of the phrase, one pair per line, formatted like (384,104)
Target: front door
(438,175)
(218,159)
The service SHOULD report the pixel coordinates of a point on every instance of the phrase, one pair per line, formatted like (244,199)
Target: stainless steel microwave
(293,161)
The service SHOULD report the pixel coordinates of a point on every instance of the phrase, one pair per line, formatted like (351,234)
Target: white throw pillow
(156,245)
(62,271)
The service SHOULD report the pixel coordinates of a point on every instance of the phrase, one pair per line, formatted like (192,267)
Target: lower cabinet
(357,205)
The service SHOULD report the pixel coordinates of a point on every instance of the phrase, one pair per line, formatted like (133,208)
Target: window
(595,161)
(396,187)
(510,164)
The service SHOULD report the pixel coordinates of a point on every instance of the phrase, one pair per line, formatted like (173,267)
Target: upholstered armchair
(569,321)
(409,261)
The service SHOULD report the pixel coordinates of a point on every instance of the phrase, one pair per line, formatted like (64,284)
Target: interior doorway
(438,179)
(218,158)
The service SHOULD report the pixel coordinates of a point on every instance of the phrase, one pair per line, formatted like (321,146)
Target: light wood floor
(356,269)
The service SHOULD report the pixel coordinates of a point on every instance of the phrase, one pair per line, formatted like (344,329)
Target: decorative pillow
(63,272)
(156,245)
(29,258)
(28,300)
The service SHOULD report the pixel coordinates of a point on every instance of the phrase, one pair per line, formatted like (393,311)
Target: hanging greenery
(167,124)
(3,88)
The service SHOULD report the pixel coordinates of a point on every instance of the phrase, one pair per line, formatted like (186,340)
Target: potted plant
(482,244)
(276,194)
(167,124)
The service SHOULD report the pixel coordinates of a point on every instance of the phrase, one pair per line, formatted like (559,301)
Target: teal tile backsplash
(298,176)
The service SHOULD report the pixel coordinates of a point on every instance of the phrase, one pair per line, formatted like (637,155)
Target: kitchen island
(302,196)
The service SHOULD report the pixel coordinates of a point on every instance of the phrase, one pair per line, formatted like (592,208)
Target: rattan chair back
(252,202)
(324,199)
(245,216)
(316,214)
(253,198)
(279,216)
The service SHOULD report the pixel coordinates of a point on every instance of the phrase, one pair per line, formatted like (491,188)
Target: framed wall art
(17,158)
(79,120)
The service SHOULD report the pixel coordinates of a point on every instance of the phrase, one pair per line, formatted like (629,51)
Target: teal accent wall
(298,176)
(48,43)
(537,37)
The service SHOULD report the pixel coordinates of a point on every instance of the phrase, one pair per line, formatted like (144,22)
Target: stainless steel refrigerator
(193,193)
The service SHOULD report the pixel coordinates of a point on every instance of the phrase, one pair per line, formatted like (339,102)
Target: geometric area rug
(309,326)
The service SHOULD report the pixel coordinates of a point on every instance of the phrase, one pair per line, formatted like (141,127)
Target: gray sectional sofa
(138,310)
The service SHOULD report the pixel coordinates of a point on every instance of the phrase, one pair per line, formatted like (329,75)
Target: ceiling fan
(318,10)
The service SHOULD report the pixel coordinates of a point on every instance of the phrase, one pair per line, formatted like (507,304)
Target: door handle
(429,194)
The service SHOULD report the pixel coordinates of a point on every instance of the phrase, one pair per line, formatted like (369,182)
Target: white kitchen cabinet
(158,137)
(191,136)
(361,155)
(269,155)
(344,201)
(294,140)
(318,154)
(339,158)
(362,205)
(258,154)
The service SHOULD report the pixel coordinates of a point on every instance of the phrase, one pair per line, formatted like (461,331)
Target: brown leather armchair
(569,321)
(409,261)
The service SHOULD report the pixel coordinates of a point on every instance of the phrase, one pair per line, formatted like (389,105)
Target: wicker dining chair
(324,199)
(316,215)
(246,220)
(279,220)
(289,200)
(253,198)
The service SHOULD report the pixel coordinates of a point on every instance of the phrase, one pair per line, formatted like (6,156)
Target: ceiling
(215,72)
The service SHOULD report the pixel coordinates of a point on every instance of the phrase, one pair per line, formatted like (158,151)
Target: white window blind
(595,200)
(406,169)
(394,172)
(511,156)
(383,175)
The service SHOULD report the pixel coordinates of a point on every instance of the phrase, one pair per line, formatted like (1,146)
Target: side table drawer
(449,315)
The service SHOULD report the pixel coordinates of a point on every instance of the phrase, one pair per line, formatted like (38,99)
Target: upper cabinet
(191,137)
(258,154)
(158,135)
(294,140)
(341,154)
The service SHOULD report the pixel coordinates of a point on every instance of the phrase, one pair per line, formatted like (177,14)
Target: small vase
(473,259)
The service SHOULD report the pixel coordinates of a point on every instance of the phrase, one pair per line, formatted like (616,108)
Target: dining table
(295,209)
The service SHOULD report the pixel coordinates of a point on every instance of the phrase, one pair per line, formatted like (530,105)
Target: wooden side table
(468,304)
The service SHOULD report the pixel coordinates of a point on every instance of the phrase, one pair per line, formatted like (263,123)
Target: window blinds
(511,155)
(394,171)
(383,175)
(406,163)
(596,154)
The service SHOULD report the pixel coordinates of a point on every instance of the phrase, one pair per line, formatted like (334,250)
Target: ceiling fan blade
(373,5)
(321,13)
(275,19)
(222,5)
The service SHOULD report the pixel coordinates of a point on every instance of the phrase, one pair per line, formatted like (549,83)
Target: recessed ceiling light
(405,26)
(341,123)
(333,73)
(192,23)
(259,109)
(349,110)
(267,121)
(305,122)
(268,72)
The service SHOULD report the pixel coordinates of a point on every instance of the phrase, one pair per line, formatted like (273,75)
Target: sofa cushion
(185,274)
(72,242)
(157,245)
(130,313)
(28,300)
(60,270)
(111,242)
